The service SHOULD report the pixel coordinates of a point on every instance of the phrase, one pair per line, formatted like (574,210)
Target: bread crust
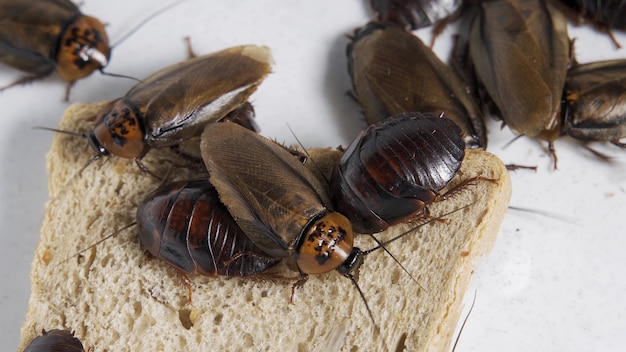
(115,297)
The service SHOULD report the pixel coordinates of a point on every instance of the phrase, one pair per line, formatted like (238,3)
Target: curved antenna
(101,240)
(118,75)
(512,140)
(458,337)
(145,21)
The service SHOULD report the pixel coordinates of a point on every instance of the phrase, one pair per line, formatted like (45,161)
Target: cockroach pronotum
(395,168)
(414,14)
(595,103)
(176,103)
(394,72)
(55,341)
(521,51)
(186,225)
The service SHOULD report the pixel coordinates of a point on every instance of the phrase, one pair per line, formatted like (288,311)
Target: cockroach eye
(326,244)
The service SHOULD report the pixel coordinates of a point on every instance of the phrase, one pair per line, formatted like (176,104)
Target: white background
(550,283)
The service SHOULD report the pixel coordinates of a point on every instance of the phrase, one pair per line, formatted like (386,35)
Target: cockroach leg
(185,282)
(143,168)
(552,152)
(303,279)
(190,53)
(462,186)
(515,167)
(68,88)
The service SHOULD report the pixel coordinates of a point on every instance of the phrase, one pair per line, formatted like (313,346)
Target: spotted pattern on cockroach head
(80,38)
(328,237)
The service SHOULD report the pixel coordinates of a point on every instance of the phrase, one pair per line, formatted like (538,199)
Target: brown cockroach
(186,225)
(43,36)
(521,51)
(595,103)
(396,168)
(394,72)
(55,341)
(176,103)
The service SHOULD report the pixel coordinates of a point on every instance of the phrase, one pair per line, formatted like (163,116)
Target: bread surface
(117,298)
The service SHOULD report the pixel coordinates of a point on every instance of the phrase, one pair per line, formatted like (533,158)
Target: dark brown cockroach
(55,341)
(521,51)
(603,14)
(595,102)
(414,14)
(394,72)
(176,103)
(395,168)
(186,225)
(43,36)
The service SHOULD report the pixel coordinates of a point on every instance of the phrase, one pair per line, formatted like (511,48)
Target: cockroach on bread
(185,224)
(55,341)
(176,103)
(396,168)
(393,72)
(43,36)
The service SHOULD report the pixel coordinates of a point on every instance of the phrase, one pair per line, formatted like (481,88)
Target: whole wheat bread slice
(116,298)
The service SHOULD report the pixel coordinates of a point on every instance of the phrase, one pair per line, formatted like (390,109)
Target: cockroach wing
(596,101)
(30,30)
(267,190)
(393,72)
(180,100)
(521,50)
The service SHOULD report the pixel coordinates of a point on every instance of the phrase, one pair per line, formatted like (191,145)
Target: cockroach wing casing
(39,37)
(55,341)
(596,101)
(278,202)
(395,168)
(520,50)
(393,72)
(186,225)
(176,103)
(414,14)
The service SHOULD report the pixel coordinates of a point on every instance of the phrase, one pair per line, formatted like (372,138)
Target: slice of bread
(116,298)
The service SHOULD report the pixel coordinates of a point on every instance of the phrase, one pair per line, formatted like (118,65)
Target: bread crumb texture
(117,298)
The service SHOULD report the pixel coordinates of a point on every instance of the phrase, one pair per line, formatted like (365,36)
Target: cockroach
(520,50)
(395,168)
(595,103)
(43,36)
(185,224)
(414,14)
(604,15)
(282,206)
(176,103)
(394,72)
(55,341)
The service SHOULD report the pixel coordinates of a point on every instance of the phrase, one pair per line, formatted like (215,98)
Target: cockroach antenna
(133,31)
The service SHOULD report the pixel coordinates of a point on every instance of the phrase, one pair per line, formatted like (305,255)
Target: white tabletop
(550,284)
